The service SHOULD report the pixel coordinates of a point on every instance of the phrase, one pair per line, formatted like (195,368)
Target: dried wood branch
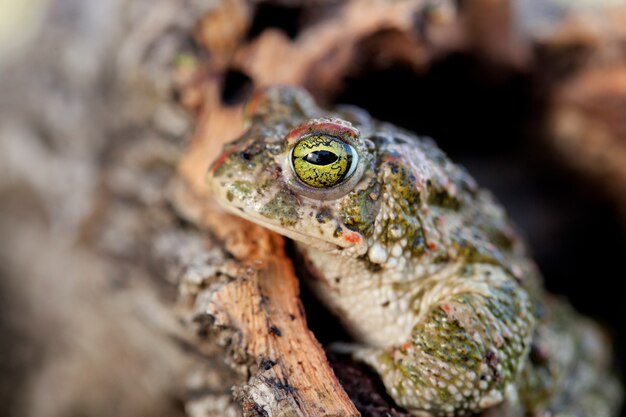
(290,374)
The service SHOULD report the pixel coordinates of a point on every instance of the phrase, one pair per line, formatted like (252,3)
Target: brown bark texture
(125,290)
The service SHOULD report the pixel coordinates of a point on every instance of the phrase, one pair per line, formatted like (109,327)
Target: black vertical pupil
(321,157)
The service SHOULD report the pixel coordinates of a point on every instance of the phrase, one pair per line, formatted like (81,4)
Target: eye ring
(325,160)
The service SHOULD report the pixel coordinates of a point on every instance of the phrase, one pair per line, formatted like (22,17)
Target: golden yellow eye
(323,161)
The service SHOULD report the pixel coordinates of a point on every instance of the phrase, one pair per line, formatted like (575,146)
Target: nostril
(250,152)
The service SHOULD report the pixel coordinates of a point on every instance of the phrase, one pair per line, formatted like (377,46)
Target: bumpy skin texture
(421,265)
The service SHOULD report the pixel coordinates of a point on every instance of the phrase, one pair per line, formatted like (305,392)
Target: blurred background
(98,102)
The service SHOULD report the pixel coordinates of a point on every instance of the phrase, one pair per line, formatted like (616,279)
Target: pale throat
(366,302)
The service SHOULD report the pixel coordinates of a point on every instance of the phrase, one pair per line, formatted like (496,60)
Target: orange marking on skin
(221,160)
(447,308)
(251,106)
(431,245)
(327,128)
(351,237)
(297,132)
(335,128)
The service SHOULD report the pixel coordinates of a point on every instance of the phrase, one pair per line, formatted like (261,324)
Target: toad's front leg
(465,351)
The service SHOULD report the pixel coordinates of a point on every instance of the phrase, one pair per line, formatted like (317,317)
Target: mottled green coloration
(360,208)
(241,189)
(423,267)
(283,207)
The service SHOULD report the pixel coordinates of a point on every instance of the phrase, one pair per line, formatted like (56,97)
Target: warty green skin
(422,267)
